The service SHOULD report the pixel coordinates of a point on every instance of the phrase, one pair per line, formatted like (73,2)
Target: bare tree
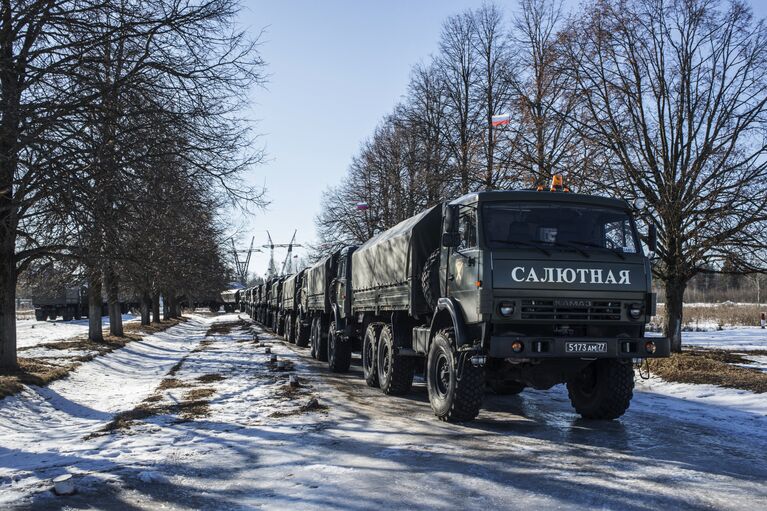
(677,99)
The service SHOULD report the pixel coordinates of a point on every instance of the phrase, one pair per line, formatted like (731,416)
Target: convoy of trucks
(494,291)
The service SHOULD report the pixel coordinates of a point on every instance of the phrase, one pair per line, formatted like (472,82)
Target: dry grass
(723,315)
(171,383)
(199,393)
(713,367)
(211,378)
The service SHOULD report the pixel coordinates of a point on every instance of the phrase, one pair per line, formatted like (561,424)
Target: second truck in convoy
(495,290)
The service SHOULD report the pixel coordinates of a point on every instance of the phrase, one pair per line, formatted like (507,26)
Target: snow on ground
(31,333)
(740,339)
(745,339)
(678,446)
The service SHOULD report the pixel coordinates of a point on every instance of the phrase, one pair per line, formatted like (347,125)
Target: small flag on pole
(500,120)
(362,206)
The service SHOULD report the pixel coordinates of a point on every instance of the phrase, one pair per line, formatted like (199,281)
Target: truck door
(339,284)
(463,265)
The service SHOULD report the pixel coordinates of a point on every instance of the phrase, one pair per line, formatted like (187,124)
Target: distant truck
(66,302)
(275,317)
(296,331)
(231,299)
(71,303)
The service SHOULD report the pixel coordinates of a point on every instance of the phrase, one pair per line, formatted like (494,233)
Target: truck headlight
(506,309)
(635,310)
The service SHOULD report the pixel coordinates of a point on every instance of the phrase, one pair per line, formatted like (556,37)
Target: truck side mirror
(450,236)
(652,238)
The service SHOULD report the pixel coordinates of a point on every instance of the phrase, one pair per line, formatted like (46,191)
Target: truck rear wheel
(339,351)
(40,315)
(395,373)
(279,326)
(288,327)
(603,390)
(369,344)
(430,279)
(452,399)
(321,343)
(301,333)
(312,336)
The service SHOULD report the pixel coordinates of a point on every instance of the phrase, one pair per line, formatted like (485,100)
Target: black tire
(322,342)
(395,373)
(312,338)
(339,351)
(40,315)
(430,279)
(301,333)
(369,355)
(288,328)
(451,399)
(603,390)
(280,328)
(506,388)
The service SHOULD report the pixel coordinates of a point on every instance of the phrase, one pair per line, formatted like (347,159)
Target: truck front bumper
(578,347)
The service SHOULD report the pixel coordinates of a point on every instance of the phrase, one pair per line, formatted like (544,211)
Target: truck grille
(587,310)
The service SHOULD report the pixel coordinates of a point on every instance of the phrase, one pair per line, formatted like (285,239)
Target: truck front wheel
(395,372)
(452,399)
(339,351)
(369,369)
(603,390)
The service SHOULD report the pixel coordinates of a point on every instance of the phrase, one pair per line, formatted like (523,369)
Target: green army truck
(501,290)
(317,303)
(292,300)
(68,302)
(275,319)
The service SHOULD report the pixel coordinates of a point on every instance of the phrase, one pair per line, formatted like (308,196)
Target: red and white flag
(500,120)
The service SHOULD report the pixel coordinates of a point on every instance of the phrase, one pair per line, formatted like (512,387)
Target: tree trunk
(156,308)
(146,306)
(113,299)
(7,303)
(95,303)
(166,307)
(674,308)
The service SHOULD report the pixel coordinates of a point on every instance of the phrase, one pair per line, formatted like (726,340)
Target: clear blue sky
(336,68)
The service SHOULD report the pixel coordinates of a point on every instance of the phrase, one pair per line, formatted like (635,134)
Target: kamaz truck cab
(535,289)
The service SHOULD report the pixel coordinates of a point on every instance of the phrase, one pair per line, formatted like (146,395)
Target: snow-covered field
(31,333)
(742,339)
(678,447)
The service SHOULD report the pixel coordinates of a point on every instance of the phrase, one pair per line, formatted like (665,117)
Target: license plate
(586,347)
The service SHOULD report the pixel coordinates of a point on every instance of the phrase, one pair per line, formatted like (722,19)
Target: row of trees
(120,139)
(660,102)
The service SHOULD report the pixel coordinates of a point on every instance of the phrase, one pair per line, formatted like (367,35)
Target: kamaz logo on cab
(571,275)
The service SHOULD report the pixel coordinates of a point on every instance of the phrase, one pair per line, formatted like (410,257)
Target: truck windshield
(558,225)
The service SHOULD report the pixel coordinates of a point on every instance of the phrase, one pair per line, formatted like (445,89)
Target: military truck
(275,320)
(68,302)
(262,307)
(231,299)
(318,302)
(501,290)
(292,311)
